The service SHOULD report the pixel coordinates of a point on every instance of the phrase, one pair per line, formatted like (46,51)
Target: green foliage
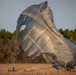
(10,51)
(14,35)
(69,34)
(61,31)
(74,35)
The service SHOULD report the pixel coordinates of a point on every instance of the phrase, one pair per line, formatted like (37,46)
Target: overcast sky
(64,12)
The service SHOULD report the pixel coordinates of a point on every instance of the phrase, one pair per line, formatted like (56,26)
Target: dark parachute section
(40,36)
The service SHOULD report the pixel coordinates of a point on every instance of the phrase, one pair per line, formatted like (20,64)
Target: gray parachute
(40,36)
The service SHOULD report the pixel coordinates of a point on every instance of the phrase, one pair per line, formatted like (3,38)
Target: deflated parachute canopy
(40,36)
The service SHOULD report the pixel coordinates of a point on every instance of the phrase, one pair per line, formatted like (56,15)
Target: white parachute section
(40,36)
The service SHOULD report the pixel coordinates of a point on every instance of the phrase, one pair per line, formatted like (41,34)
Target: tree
(14,35)
(11,52)
(61,31)
(74,35)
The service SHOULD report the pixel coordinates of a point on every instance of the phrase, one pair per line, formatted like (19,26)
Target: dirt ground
(32,69)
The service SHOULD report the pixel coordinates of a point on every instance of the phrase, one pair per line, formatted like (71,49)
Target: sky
(64,12)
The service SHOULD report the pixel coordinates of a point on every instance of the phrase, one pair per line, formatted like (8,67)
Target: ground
(32,69)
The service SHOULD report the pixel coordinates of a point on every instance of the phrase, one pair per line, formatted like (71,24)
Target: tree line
(11,52)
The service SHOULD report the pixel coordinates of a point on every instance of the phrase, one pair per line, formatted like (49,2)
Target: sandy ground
(32,69)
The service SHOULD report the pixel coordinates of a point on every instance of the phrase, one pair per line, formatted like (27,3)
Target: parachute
(40,36)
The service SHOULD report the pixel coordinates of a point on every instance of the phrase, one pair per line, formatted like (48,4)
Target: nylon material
(48,47)
(34,35)
(36,54)
(52,21)
(33,53)
(43,6)
(22,34)
(45,18)
(40,35)
(32,49)
(26,30)
(43,35)
(27,11)
(31,8)
(37,9)
(48,27)
(40,29)
(50,24)
(20,38)
(61,50)
(27,35)
(47,12)
(51,15)
(25,20)
(34,13)
(19,24)
(20,19)
(43,44)
(32,24)
(31,30)
(37,18)
(48,21)
(40,50)
(40,41)
(42,22)
(59,46)
(36,44)
(23,44)
(61,40)
(48,58)
(28,19)
(51,46)
(71,45)
(62,57)
(27,44)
